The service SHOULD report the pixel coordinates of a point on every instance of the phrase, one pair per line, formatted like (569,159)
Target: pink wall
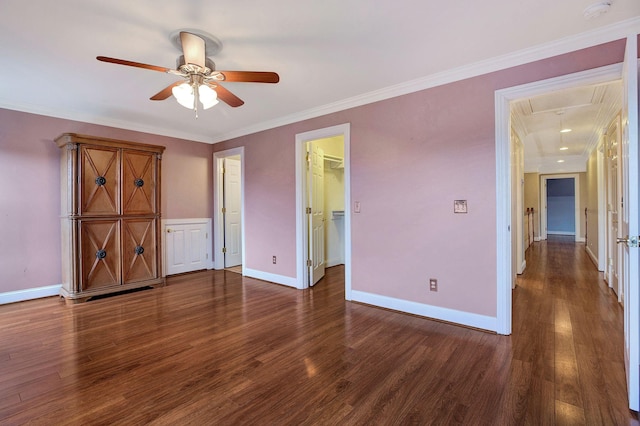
(30,191)
(411,157)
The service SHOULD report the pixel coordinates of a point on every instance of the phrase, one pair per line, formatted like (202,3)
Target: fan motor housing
(207,62)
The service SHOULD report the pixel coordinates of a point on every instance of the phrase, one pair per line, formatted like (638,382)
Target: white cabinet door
(186,247)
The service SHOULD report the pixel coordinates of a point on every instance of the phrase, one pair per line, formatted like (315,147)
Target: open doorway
(561,206)
(228,206)
(325,205)
(628,74)
(505,219)
(323,222)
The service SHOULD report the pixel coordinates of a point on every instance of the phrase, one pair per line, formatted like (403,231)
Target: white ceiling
(586,111)
(330,55)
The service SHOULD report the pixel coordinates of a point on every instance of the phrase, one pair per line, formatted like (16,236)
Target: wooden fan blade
(250,76)
(193,49)
(132,64)
(227,97)
(166,92)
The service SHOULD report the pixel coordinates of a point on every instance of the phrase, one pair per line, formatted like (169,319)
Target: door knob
(624,240)
(168,231)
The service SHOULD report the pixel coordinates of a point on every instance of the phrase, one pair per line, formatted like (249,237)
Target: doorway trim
(577,218)
(343,130)
(218,219)
(503,98)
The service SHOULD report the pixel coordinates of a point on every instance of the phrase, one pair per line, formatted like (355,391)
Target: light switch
(356,207)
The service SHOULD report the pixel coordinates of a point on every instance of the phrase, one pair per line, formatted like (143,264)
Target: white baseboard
(593,257)
(581,240)
(536,239)
(274,278)
(29,294)
(523,266)
(443,314)
(334,262)
(560,233)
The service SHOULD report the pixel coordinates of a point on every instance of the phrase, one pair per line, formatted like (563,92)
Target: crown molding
(75,115)
(561,46)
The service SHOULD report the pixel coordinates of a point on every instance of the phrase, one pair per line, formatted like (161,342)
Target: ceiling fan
(201,81)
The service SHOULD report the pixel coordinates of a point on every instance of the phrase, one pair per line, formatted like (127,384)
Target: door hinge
(308,210)
(206,255)
(206,235)
(224,210)
(309,262)
(224,249)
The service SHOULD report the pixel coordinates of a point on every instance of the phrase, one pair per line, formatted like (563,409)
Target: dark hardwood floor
(216,348)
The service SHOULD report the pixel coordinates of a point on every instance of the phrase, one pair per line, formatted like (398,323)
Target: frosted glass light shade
(208,96)
(184,95)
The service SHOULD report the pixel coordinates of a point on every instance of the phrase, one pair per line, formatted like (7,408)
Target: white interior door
(315,213)
(629,220)
(232,213)
(613,206)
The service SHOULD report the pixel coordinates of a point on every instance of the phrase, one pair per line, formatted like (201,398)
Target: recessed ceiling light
(564,148)
(560,161)
(565,130)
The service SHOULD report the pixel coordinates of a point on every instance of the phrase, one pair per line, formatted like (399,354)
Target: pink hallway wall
(411,157)
(30,191)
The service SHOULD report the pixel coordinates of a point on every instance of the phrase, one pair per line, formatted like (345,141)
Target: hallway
(568,335)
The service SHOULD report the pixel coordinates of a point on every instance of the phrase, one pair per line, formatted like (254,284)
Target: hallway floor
(568,338)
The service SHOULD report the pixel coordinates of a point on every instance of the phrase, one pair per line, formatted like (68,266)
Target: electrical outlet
(433,284)
(274,260)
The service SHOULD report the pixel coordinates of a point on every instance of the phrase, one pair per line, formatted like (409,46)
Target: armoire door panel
(100,181)
(100,248)
(138,183)
(139,257)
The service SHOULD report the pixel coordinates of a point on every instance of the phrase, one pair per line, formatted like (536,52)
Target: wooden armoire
(110,215)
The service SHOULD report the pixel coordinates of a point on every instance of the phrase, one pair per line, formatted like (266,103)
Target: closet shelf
(334,162)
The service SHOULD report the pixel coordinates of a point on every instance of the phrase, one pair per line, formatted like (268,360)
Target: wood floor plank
(215,347)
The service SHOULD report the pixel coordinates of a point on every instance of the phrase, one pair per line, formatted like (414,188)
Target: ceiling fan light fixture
(208,96)
(184,95)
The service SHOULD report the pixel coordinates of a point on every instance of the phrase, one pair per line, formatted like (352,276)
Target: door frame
(576,203)
(503,98)
(218,218)
(343,130)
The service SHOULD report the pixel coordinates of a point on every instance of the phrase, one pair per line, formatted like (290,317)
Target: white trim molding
(343,130)
(442,314)
(218,217)
(592,256)
(578,231)
(572,43)
(29,294)
(273,278)
(503,98)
